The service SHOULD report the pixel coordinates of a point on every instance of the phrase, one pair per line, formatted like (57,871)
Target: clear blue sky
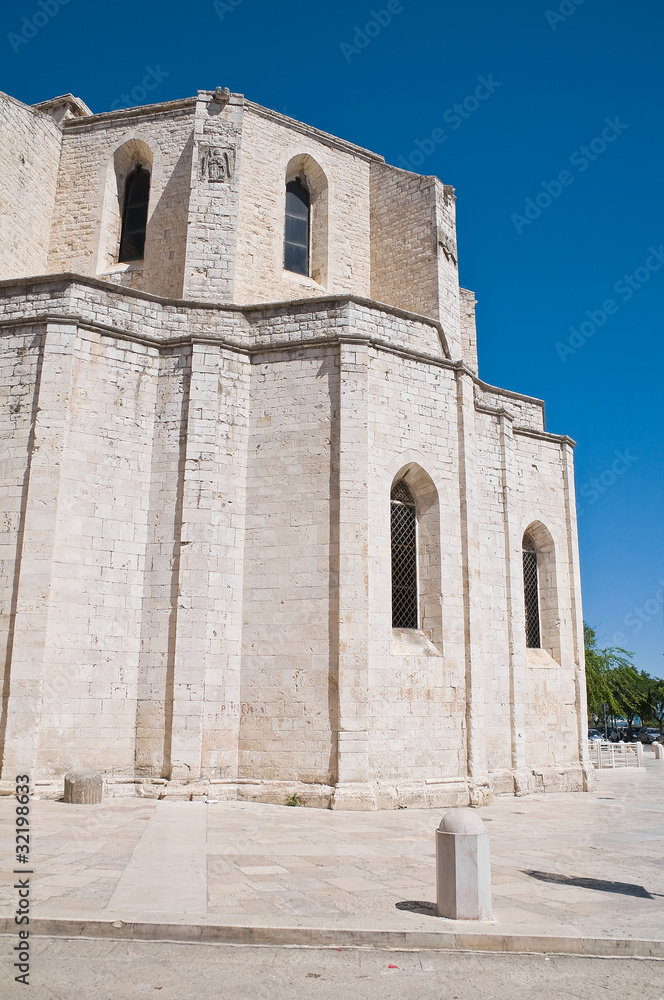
(561,77)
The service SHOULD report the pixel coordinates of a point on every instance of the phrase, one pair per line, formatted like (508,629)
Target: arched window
(134,215)
(296,246)
(403,522)
(531,593)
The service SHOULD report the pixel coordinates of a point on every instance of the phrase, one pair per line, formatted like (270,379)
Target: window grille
(135,216)
(296,248)
(531,595)
(404,557)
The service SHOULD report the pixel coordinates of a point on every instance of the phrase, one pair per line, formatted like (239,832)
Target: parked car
(594,734)
(648,735)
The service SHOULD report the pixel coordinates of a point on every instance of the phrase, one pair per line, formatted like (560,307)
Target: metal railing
(605,754)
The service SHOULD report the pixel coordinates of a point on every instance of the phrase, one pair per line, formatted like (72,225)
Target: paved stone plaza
(314,876)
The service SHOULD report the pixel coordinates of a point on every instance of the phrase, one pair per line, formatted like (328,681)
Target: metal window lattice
(531,594)
(404,558)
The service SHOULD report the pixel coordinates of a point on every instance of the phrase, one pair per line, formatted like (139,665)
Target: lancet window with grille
(404,557)
(531,596)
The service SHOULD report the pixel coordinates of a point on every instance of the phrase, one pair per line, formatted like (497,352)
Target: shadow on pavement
(602,885)
(418,906)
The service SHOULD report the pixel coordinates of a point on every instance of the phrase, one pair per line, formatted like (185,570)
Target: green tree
(612,679)
(605,683)
(656,702)
(631,691)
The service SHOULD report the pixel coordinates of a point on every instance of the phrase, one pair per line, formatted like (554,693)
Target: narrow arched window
(134,216)
(531,594)
(298,211)
(403,523)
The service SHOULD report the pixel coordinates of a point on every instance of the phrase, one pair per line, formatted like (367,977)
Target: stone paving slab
(574,868)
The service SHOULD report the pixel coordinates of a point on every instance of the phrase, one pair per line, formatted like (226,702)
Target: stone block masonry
(29,160)
(198,450)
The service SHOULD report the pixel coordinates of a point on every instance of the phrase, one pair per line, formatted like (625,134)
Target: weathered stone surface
(196,565)
(83,789)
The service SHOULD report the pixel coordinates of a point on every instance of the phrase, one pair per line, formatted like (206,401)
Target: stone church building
(265,530)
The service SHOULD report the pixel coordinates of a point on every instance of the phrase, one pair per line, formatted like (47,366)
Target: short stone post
(83,789)
(463,867)
(658,750)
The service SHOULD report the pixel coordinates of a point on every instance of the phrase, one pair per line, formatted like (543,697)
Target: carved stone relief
(217,164)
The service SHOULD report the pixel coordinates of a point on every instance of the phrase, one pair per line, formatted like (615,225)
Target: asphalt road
(65,969)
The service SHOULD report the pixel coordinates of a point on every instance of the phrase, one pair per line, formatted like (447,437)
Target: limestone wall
(29,154)
(414,256)
(340,215)
(404,269)
(448,272)
(212,232)
(219,167)
(199,500)
(417,680)
(154,684)
(288,700)
(550,695)
(95,602)
(20,354)
(497,569)
(523,486)
(211,572)
(97,155)
(467,303)
(195,551)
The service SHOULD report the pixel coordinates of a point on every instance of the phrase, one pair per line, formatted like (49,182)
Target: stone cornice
(129,114)
(313,133)
(545,436)
(186,103)
(327,301)
(65,280)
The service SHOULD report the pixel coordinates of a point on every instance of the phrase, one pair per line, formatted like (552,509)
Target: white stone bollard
(658,750)
(463,867)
